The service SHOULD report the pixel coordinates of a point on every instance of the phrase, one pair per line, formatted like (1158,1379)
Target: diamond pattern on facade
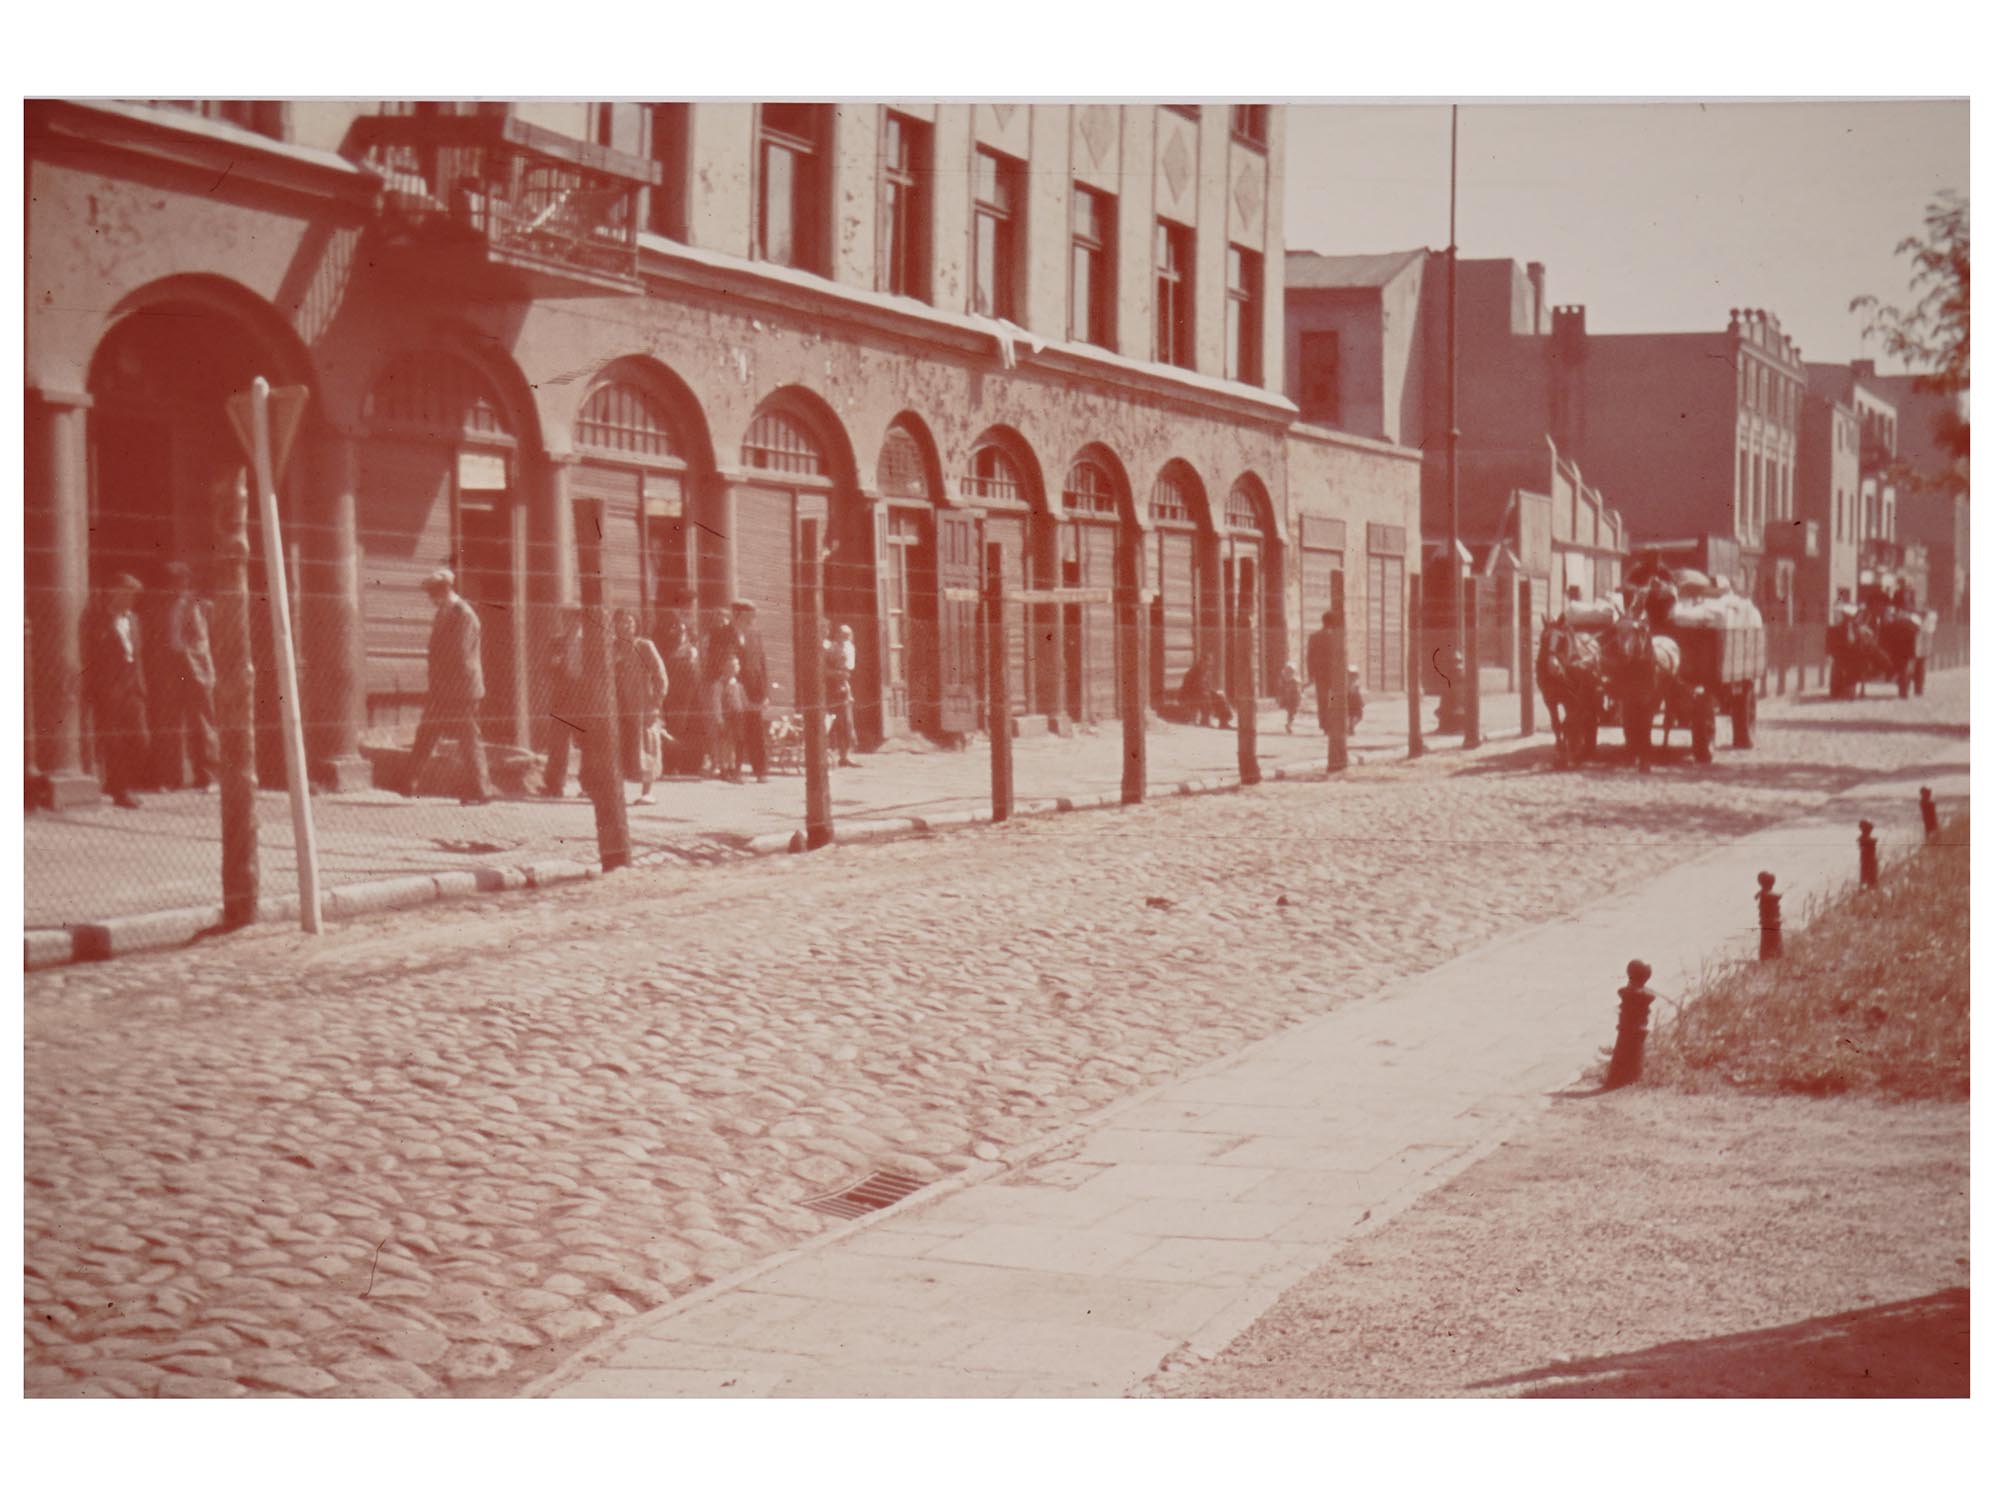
(1249,195)
(1176,165)
(1099,131)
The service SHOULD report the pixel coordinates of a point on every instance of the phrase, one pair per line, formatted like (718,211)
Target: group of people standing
(152,707)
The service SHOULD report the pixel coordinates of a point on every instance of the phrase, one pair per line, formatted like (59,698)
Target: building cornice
(177,138)
(758,286)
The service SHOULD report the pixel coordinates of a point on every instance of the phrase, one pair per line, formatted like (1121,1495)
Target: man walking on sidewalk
(456,688)
(185,686)
(1321,669)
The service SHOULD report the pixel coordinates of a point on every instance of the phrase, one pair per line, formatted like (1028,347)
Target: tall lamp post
(1468,668)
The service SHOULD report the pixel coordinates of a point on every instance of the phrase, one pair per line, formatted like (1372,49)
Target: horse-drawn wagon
(1677,657)
(1879,639)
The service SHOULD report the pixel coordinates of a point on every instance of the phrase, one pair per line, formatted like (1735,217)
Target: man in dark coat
(1322,668)
(115,684)
(741,636)
(456,688)
(568,704)
(184,683)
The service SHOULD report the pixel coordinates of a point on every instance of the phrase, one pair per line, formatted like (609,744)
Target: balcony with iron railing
(544,214)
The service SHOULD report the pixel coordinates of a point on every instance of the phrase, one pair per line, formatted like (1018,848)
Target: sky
(1657,217)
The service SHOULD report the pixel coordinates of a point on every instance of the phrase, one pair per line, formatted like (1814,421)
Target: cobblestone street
(433,1152)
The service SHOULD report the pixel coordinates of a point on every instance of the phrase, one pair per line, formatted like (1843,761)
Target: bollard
(1870,870)
(1929,809)
(1770,926)
(1635,1004)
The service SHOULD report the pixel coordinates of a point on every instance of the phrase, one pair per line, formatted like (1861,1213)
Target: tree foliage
(1933,335)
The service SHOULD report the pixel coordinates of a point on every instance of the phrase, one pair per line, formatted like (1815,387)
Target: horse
(1642,670)
(1567,671)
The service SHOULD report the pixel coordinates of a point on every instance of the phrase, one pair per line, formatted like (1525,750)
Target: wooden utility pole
(807,643)
(235,703)
(1133,656)
(1247,771)
(1468,592)
(1336,699)
(602,775)
(999,712)
(1414,687)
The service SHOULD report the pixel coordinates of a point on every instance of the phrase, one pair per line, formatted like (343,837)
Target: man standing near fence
(184,687)
(115,684)
(1322,669)
(456,688)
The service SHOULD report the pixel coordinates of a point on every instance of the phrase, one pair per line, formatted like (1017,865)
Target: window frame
(1006,211)
(1098,250)
(1243,316)
(1173,294)
(903,201)
(809,203)
(1251,125)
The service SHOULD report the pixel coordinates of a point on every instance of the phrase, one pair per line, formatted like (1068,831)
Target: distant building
(1934,506)
(1826,544)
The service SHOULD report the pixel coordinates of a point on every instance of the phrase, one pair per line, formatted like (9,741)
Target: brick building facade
(652,338)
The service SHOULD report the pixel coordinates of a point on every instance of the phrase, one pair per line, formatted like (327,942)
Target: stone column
(57,576)
(337,699)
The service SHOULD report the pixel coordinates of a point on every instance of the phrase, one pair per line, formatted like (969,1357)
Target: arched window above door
(780,442)
(1241,512)
(436,393)
(621,417)
(1173,501)
(1090,491)
(994,475)
(900,472)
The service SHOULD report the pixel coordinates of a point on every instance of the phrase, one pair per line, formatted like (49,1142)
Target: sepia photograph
(850,745)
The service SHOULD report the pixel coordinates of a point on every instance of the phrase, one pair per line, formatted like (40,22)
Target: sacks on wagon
(1592,614)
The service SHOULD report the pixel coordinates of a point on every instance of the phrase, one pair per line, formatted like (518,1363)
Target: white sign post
(251,415)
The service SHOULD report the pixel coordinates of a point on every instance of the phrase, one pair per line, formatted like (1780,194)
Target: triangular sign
(287,408)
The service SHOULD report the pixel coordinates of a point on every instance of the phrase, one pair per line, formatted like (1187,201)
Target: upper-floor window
(667,145)
(1091,299)
(1319,376)
(1243,317)
(793,188)
(903,223)
(1251,123)
(999,205)
(1173,294)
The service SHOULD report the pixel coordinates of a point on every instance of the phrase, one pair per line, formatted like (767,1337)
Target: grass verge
(1873,996)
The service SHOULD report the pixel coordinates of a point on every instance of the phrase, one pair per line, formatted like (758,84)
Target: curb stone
(118,937)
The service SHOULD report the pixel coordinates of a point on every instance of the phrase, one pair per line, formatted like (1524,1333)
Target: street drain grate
(877,1190)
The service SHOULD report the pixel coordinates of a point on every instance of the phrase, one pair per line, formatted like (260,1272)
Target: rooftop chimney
(1537,274)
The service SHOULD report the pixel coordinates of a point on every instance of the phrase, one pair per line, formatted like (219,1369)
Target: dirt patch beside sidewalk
(1650,1244)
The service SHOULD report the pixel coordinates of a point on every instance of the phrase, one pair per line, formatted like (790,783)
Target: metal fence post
(999,712)
(235,703)
(812,686)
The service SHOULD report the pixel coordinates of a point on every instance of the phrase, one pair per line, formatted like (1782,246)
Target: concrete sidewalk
(1168,1224)
(102,881)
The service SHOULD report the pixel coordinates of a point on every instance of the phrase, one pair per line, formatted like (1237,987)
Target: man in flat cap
(114,677)
(739,636)
(455,689)
(184,683)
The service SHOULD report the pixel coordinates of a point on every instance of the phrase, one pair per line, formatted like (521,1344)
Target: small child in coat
(1289,695)
(722,709)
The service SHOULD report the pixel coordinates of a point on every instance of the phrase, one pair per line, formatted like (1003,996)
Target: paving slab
(1191,1212)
